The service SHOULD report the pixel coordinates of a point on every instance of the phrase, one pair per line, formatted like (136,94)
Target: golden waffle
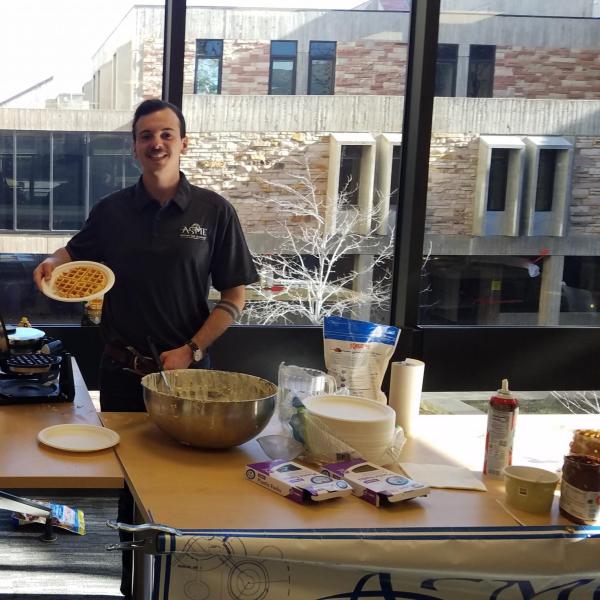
(79,282)
(586,441)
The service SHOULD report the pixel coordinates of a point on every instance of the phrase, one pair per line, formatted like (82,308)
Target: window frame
(453,62)
(474,62)
(197,57)
(310,66)
(281,57)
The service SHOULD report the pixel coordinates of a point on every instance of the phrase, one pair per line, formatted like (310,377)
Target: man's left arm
(226,311)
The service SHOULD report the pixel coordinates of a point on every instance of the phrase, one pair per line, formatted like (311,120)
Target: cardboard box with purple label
(296,482)
(373,483)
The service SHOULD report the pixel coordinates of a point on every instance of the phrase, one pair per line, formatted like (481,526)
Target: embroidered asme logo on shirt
(193,232)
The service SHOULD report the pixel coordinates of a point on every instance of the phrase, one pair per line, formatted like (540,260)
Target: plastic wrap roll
(406,384)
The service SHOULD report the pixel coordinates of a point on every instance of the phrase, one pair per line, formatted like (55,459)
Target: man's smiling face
(158,142)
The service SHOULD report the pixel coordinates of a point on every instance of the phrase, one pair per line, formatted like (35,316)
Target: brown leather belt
(131,359)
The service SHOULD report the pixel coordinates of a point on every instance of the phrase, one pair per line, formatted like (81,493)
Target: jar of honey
(580,489)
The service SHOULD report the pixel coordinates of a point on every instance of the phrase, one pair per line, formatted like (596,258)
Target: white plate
(78,437)
(47,286)
(349,409)
(26,334)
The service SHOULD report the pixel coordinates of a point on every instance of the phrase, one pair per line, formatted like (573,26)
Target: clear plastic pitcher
(296,383)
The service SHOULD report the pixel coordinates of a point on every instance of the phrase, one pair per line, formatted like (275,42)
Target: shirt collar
(182,197)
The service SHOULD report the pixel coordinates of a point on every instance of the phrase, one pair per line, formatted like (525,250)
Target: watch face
(197,355)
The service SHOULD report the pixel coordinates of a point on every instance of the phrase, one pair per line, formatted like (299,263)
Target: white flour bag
(357,354)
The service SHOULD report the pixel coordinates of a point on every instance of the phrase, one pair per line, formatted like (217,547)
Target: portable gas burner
(34,377)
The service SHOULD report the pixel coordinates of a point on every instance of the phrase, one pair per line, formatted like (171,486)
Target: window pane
(445,78)
(68,186)
(7,181)
(321,77)
(207,76)
(349,183)
(480,290)
(209,48)
(75,72)
(498,180)
(395,183)
(33,181)
(545,180)
(282,77)
(481,72)
(270,156)
(323,50)
(516,174)
(111,165)
(283,48)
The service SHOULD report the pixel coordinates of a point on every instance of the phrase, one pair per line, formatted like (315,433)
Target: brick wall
(376,67)
(547,73)
(152,69)
(245,67)
(370,67)
(241,165)
(451,187)
(585,201)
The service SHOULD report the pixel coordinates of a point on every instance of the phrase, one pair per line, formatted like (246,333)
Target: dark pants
(121,391)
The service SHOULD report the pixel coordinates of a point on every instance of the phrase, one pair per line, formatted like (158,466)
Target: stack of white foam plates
(365,425)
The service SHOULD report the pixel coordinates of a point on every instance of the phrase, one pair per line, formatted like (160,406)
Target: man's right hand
(45,268)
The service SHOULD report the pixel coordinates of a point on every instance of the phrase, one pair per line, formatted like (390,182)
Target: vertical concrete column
(550,292)
(490,295)
(363,263)
(462,70)
(302,68)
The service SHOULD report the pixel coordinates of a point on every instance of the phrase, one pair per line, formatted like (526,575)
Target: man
(166,241)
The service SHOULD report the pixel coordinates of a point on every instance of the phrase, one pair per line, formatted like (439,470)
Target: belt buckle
(136,366)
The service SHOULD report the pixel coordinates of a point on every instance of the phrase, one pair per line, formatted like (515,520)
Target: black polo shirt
(164,259)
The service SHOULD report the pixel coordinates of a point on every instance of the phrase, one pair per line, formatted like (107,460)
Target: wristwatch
(197,353)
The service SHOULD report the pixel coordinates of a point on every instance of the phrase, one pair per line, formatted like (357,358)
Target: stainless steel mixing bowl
(209,409)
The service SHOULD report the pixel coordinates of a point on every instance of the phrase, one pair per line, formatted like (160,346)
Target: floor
(73,567)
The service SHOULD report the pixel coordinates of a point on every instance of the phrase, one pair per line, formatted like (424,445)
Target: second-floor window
(445,70)
(350,173)
(282,72)
(321,68)
(481,71)
(496,198)
(209,63)
(545,180)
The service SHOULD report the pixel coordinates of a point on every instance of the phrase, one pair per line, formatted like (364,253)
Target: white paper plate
(78,437)
(348,408)
(48,286)
(26,334)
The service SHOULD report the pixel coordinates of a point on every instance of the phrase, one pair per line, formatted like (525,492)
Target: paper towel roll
(406,384)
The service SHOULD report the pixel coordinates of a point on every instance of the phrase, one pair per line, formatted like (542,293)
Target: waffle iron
(34,377)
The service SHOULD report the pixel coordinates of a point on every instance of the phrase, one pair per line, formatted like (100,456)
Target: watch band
(197,352)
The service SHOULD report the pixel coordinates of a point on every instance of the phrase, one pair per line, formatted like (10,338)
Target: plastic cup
(529,489)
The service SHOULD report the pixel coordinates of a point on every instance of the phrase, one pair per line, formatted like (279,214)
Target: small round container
(529,488)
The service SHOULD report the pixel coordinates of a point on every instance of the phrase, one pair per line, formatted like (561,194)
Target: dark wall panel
(456,359)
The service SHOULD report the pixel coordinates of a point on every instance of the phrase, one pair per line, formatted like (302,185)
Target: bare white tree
(307,265)
(579,402)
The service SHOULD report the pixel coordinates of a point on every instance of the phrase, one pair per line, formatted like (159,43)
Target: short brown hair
(153,105)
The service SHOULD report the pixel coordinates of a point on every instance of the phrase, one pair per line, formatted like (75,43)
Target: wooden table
(25,463)
(212,483)
(206,494)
